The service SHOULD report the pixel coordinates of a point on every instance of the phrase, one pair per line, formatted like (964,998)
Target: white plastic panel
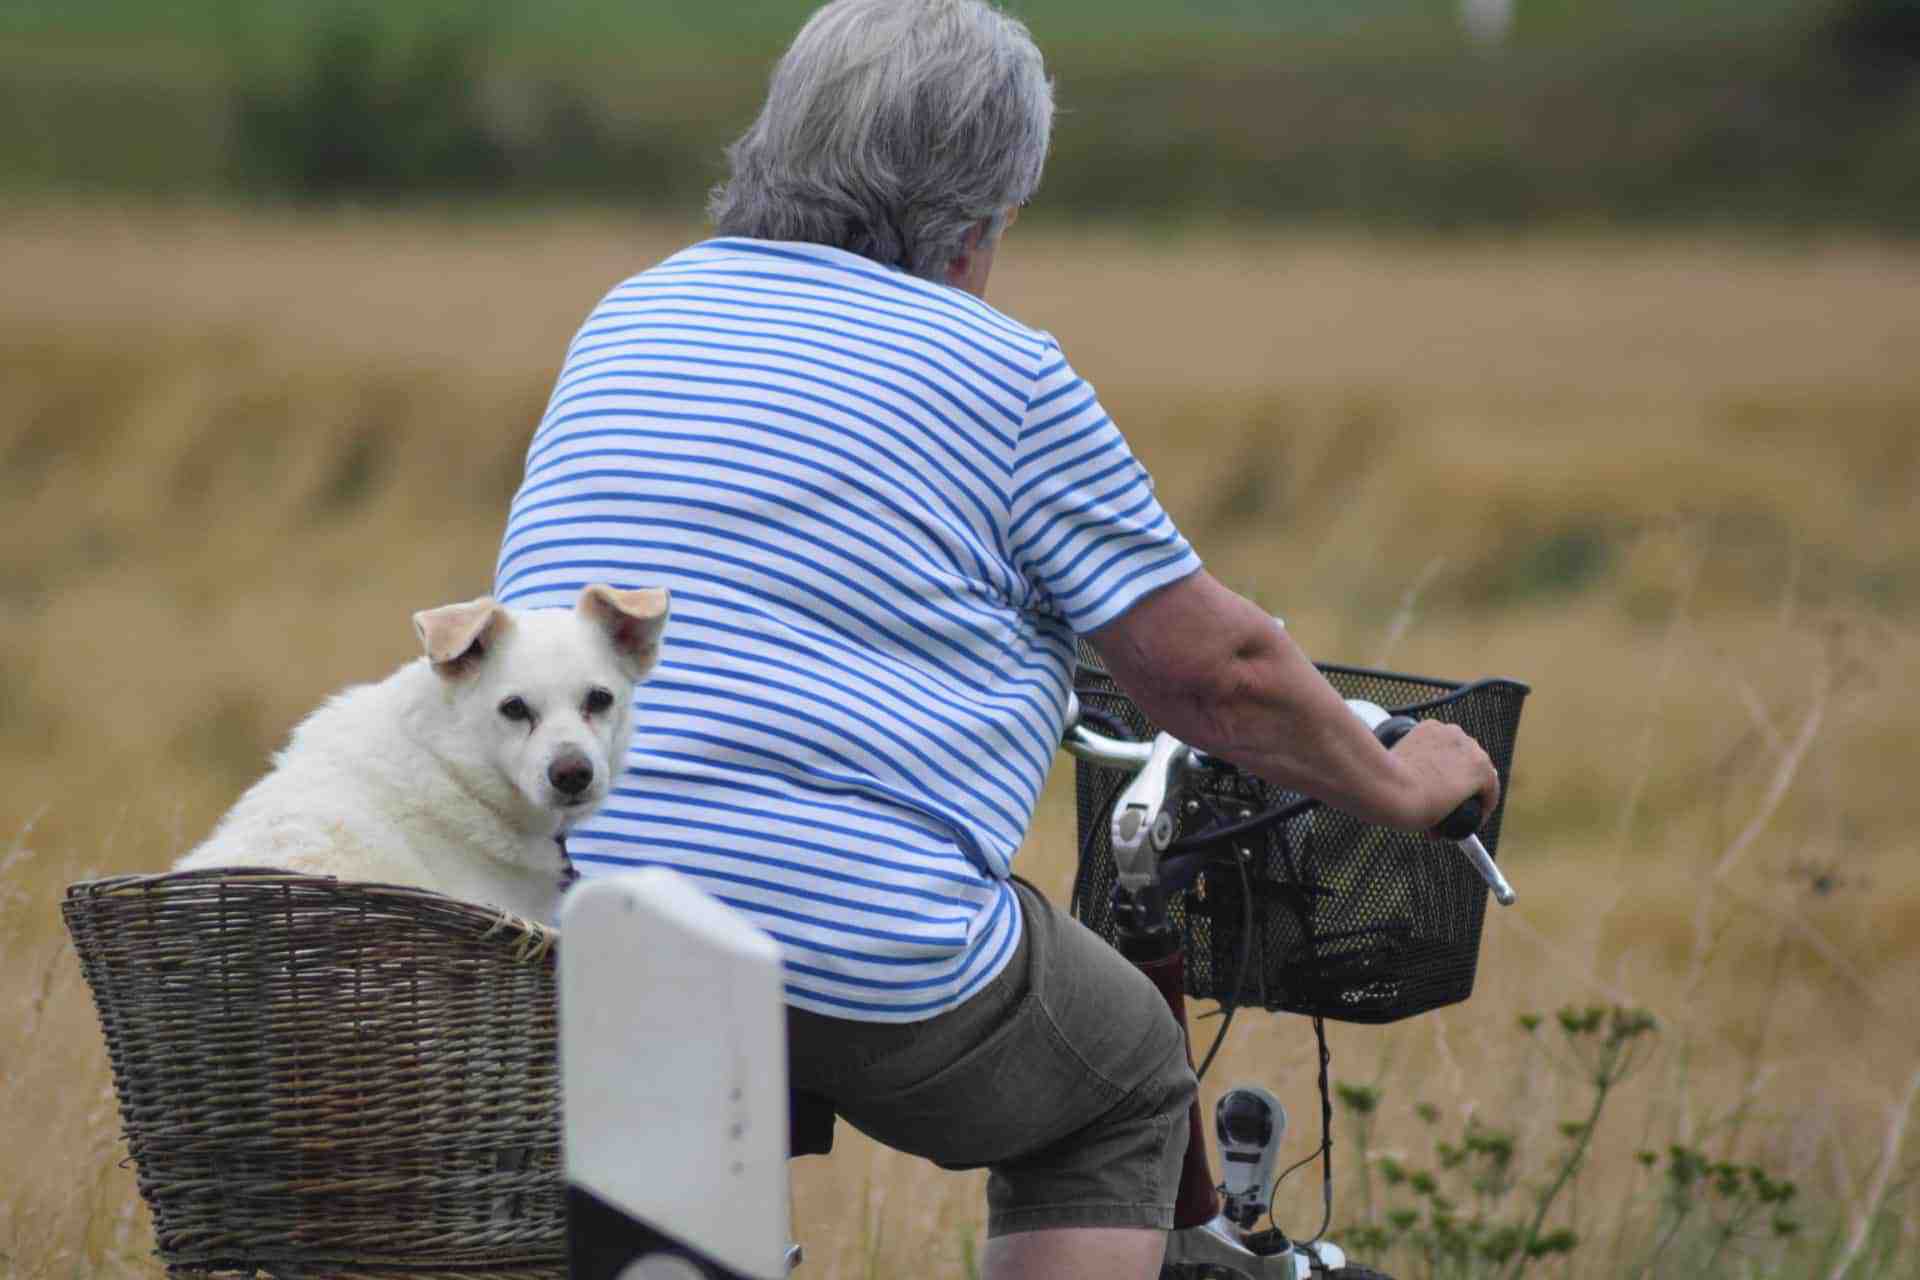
(673,1065)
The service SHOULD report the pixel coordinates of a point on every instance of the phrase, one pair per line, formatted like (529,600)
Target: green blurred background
(1771,113)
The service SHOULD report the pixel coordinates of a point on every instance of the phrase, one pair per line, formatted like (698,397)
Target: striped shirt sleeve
(1086,531)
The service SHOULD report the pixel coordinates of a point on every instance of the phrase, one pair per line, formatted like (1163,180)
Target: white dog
(459,772)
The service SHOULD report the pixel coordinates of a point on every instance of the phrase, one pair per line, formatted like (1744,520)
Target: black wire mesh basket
(1312,912)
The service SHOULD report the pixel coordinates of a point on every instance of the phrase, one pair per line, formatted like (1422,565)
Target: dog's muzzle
(571,773)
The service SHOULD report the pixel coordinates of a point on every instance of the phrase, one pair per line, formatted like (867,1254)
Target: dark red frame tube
(1198,1201)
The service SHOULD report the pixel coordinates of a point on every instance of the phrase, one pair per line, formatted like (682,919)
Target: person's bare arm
(1214,670)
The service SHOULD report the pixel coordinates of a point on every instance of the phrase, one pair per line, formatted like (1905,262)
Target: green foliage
(1483,1208)
(1879,39)
(1491,1205)
(1378,114)
(371,110)
(361,118)
(1725,1204)
(563,27)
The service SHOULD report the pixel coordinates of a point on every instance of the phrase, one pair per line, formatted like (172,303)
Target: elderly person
(886,510)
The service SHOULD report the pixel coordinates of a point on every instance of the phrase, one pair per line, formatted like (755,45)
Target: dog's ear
(456,637)
(633,621)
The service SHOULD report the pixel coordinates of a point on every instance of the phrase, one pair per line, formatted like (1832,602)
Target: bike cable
(1324,1149)
(1240,977)
(1245,826)
(1075,895)
(1258,822)
(1280,813)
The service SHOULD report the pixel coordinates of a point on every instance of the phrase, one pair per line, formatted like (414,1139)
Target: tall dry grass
(1675,486)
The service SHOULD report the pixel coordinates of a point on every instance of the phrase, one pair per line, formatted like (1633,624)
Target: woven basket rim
(536,939)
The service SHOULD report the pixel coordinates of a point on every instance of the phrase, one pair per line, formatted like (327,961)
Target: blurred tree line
(1813,119)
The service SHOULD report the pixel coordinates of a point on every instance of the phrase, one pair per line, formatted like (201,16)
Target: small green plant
(1731,1203)
(1492,1205)
(1463,1217)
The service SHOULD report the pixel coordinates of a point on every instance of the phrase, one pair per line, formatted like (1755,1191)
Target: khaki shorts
(1066,1077)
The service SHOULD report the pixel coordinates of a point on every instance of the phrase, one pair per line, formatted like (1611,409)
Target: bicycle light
(1248,1122)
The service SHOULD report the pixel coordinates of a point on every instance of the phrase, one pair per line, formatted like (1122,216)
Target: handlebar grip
(1464,820)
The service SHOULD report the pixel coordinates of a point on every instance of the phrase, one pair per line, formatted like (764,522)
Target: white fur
(421,780)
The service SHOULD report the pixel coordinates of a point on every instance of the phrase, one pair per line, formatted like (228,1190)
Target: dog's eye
(598,700)
(516,708)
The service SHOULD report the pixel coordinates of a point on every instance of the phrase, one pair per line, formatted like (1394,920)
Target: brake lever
(1141,826)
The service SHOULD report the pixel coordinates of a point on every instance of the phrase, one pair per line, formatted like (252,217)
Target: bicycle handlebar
(1141,807)
(1096,748)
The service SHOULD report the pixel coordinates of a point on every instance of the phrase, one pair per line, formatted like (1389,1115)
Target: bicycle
(1192,869)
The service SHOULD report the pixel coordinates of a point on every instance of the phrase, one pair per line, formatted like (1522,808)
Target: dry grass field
(1673,485)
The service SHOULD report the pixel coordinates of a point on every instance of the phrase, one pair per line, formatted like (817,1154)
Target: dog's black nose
(570,774)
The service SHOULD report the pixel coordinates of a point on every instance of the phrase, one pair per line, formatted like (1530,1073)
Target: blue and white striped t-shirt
(884,510)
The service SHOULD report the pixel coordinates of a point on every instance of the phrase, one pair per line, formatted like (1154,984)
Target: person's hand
(1442,766)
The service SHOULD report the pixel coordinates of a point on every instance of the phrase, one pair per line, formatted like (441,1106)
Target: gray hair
(890,128)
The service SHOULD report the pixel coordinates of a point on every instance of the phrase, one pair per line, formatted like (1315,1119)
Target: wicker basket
(319,1078)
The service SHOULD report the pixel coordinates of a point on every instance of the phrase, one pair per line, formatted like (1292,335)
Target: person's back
(883,509)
